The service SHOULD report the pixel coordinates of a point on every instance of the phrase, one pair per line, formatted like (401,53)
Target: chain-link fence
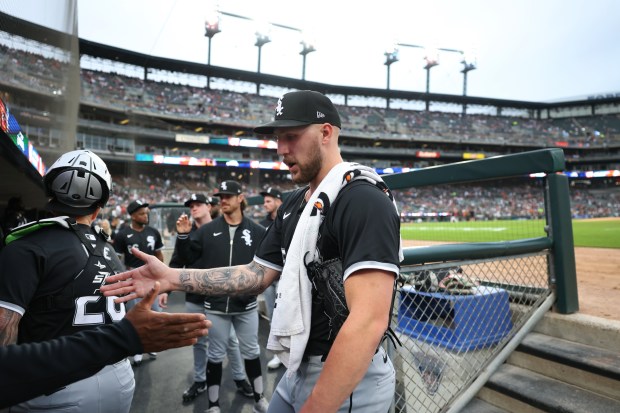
(454,318)
(461,303)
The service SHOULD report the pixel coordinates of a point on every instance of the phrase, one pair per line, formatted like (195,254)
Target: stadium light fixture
(469,64)
(432,59)
(390,58)
(262,34)
(306,47)
(212,27)
(262,38)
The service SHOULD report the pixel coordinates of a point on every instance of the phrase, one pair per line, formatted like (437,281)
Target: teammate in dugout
(200,208)
(345,212)
(230,239)
(31,369)
(272,199)
(138,234)
(50,275)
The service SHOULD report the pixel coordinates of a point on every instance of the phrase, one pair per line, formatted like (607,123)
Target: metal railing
(462,306)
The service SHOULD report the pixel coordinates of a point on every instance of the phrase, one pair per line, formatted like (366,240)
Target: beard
(311,168)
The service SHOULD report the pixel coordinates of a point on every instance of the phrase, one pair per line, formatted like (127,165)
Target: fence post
(563,250)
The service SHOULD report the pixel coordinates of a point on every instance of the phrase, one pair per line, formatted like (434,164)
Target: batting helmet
(77,183)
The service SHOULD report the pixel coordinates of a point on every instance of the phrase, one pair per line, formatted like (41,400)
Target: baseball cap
(136,205)
(272,192)
(229,188)
(299,108)
(197,198)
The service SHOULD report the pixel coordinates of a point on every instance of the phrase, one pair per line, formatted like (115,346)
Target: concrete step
(581,328)
(481,406)
(591,368)
(570,363)
(520,390)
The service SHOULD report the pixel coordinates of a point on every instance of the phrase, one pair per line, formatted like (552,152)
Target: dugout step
(547,394)
(480,406)
(456,322)
(592,359)
(591,368)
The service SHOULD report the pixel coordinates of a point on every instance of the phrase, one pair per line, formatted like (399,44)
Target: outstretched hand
(160,331)
(139,281)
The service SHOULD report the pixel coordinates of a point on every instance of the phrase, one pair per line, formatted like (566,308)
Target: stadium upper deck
(122,116)
(385,133)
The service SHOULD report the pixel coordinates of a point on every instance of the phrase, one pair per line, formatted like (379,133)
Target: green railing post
(563,251)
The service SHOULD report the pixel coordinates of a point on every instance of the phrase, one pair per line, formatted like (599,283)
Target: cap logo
(319,114)
(194,197)
(279,108)
(224,187)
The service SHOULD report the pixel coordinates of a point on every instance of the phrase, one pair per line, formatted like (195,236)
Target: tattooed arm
(248,279)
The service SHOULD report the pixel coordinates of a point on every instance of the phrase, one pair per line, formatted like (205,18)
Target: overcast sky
(534,50)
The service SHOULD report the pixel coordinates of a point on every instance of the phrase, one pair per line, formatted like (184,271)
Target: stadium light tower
(261,40)
(212,27)
(306,47)
(469,64)
(390,57)
(432,60)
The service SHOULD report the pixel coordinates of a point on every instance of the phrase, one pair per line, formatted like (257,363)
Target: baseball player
(138,234)
(229,239)
(200,208)
(272,199)
(31,369)
(328,322)
(50,275)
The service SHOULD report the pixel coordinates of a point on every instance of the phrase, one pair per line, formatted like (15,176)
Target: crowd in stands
(363,127)
(31,70)
(521,200)
(126,93)
(250,109)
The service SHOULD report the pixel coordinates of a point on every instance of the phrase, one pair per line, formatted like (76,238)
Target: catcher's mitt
(326,278)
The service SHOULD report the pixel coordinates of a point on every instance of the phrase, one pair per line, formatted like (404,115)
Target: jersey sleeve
(188,248)
(367,227)
(29,370)
(21,265)
(269,251)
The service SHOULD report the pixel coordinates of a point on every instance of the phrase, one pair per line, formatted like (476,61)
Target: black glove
(326,278)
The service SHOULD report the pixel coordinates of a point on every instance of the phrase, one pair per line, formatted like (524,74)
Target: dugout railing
(462,308)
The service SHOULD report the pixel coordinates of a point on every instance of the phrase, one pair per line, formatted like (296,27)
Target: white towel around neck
(290,324)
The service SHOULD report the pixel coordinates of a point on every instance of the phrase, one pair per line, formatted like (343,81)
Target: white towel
(290,323)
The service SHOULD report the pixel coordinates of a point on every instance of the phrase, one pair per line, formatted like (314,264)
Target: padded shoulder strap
(63,221)
(30,227)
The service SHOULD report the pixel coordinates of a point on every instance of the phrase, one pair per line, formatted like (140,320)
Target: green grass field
(586,233)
